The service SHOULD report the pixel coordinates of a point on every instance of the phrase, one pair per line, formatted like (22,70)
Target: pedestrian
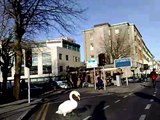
(69,81)
(153,76)
(99,82)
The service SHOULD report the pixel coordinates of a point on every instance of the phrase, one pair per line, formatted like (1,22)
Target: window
(46,62)
(76,59)
(73,58)
(67,57)
(61,68)
(91,46)
(10,72)
(77,49)
(116,31)
(92,56)
(22,71)
(60,56)
(34,68)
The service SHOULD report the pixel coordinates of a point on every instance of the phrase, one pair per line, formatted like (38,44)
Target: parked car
(132,79)
(62,83)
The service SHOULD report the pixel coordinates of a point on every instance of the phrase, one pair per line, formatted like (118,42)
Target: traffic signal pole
(28,64)
(104,79)
(94,78)
(29,91)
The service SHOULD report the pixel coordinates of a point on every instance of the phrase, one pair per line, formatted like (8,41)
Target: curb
(28,113)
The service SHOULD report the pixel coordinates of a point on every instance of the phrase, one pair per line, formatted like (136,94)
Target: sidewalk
(19,109)
(132,87)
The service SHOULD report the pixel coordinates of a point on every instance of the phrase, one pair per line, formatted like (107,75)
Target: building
(117,41)
(51,58)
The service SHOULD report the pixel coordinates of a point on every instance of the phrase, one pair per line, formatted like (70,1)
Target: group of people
(153,75)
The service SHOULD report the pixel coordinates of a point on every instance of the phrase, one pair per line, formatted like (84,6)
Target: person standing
(153,76)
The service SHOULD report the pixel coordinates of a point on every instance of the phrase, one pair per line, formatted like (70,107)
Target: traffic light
(146,66)
(101,58)
(28,58)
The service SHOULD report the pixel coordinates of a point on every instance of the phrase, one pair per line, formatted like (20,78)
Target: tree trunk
(18,62)
(5,71)
(4,85)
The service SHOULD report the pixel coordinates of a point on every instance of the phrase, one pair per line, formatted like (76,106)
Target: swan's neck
(71,97)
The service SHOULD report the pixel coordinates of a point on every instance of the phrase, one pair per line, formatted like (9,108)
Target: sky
(145,14)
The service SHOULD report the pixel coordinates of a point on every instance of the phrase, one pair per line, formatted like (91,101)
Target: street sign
(123,62)
(92,63)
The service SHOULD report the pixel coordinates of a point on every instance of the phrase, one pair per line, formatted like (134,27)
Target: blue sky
(145,14)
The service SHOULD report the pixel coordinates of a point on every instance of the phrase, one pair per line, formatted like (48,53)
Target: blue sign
(123,62)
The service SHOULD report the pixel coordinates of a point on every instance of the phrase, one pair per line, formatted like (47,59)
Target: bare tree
(30,16)
(116,45)
(6,62)
(6,51)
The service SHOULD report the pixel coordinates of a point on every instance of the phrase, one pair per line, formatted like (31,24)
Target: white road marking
(130,94)
(151,100)
(148,106)
(125,96)
(117,101)
(106,107)
(87,118)
(142,117)
(154,94)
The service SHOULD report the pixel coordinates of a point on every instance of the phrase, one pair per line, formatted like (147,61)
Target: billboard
(123,62)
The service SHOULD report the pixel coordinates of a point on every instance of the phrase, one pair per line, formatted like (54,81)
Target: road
(141,105)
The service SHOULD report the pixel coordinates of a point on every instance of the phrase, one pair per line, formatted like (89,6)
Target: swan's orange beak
(78,97)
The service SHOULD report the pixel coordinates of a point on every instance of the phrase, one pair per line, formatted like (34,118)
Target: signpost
(93,64)
(123,63)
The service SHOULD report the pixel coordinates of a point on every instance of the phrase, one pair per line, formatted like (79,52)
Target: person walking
(153,76)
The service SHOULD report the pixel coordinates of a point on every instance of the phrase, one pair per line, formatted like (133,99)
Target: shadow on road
(98,113)
(147,86)
(82,109)
(147,96)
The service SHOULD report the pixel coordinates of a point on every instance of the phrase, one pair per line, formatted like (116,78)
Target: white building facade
(50,59)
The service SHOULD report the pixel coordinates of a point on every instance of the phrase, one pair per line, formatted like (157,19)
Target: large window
(60,56)
(22,71)
(34,68)
(61,68)
(67,57)
(46,61)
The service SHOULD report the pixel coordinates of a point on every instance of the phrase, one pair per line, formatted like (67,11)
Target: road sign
(92,63)
(123,62)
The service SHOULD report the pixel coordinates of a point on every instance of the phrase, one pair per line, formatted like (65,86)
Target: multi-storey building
(117,41)
(51,58)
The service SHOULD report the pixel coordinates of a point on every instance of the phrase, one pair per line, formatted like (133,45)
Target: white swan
(68,105)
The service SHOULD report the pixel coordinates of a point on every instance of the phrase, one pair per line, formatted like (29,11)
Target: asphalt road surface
(141,105)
